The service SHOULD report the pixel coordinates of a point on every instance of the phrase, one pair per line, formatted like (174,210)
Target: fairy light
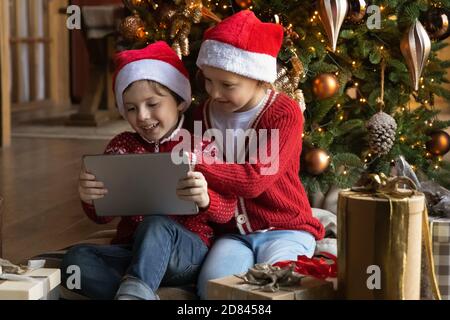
(338,105)
(402,139)
(341,118)
(403,109)
(277,19)
(432,80)
(422,86)
(382,47)
(356,84)
(440,159)
(414,167)
(353,63)
(436,167)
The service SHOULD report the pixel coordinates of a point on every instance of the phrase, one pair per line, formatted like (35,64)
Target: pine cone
(381,129)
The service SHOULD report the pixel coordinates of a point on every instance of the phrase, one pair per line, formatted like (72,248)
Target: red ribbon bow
(316,267)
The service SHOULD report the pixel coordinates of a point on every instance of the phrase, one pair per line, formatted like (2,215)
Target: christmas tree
(367,72)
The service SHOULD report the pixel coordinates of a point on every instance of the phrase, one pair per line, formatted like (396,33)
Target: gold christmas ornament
(437,23)
(356,10)
(244,4)
(325,86)
(132,28)
(316,161)
(332,14)
(139,3)
(439,144)
(415,47)
(177,48)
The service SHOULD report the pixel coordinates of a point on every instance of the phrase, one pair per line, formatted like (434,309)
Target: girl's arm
(249,180)
(221,207)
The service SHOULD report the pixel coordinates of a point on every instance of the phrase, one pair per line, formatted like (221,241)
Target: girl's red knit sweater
(266,201)
(220,210)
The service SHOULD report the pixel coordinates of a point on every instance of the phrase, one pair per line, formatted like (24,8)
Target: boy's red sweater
(275,201)
(220,210)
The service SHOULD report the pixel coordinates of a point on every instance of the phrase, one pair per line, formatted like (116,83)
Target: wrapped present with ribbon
(30,282)
(381,228)
(440,235)
(303,279)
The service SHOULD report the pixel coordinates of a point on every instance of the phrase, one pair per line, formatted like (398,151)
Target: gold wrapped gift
(379,236)
(233,288)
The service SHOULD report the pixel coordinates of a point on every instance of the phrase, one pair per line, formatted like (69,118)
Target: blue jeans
(235,253)
(163,252)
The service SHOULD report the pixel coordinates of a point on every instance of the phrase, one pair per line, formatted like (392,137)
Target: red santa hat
(157,62)
(244,45)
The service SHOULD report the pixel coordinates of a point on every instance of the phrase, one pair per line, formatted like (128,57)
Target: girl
(273,219)
(152,92)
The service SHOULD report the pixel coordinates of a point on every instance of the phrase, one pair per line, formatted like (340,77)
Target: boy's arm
(249,180)
(89,209)
(115,146)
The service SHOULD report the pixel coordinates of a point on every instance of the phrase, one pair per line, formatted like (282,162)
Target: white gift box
(42,282)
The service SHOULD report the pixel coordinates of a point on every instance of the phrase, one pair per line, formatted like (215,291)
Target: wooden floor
(42,210)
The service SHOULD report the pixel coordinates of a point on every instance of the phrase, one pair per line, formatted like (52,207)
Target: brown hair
(159,89)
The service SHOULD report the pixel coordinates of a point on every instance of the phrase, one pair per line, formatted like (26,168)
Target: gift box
(234,288)
(379,245)
(440,235)
(43,283)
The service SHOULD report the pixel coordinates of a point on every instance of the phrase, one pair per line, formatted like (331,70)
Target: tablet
(139,184)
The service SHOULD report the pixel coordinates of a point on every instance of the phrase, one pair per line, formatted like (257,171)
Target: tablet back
(139,184)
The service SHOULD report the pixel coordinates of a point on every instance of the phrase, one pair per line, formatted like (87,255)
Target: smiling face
(231,92)
(151,109)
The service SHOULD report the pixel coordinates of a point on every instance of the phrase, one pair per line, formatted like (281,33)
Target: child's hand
(89,188)
(194,188)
